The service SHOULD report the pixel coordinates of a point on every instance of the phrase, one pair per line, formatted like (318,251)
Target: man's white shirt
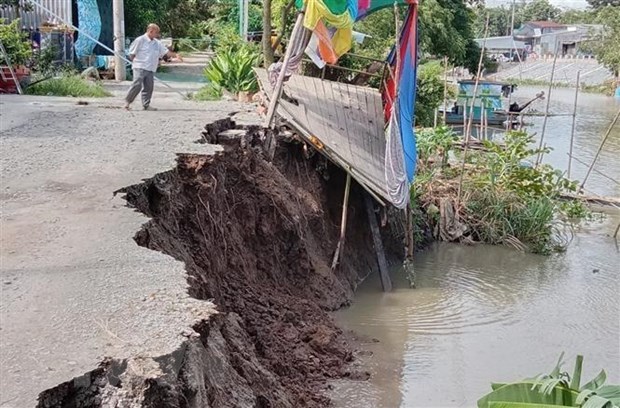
(147,53)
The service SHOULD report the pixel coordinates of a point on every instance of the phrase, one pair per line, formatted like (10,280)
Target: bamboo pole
(544,127)
(572,133)
(600,173)
(471,116)
(445,89)
(277,91)
(343,223)
(600,148)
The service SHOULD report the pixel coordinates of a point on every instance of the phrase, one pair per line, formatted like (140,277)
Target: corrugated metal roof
(35,17)
(501,43)
(545,24)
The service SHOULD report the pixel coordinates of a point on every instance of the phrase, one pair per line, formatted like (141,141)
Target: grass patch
(74,85)
(606,88)
(207,93)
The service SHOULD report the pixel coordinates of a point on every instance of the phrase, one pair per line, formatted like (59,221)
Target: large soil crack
(257,239)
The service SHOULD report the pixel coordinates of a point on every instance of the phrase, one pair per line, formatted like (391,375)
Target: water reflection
(594,115)
(483,314)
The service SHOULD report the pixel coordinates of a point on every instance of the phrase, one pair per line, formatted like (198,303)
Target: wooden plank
(340,116)
(386,282)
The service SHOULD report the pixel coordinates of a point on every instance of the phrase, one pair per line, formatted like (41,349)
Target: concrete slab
(75,287)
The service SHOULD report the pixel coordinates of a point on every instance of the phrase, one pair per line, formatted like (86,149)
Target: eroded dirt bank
(257,238)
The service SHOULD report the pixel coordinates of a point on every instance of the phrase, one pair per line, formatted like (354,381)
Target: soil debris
(257,238)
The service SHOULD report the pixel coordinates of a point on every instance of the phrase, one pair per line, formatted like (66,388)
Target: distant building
(549,38)
(502,48)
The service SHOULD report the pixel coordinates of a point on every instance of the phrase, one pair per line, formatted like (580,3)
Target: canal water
(483,314)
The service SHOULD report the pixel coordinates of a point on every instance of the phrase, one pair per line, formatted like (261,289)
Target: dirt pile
(257,238)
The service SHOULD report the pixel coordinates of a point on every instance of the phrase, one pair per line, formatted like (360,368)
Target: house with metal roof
(549,37)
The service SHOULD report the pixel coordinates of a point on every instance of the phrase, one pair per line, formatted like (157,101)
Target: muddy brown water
(482,314)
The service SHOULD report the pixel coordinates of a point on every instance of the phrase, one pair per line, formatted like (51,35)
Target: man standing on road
(144,54)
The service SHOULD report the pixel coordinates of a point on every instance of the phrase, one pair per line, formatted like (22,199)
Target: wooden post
(410,236)
(471,115)
(598,152)
(386,282)
(572,133)
(275,96)
(445,89)
(544,127)
(343,223)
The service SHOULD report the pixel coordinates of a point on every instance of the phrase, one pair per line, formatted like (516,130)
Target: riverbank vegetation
(494,194)
(607,88)
(556,389)
(69,85)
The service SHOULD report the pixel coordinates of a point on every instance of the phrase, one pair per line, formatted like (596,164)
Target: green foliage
(74,85)
(603,3)
(447,30)
(430,92)
(16,44)
(607,44)
(507,169)
(232,70)
(504,200)
(503,217)
(511,201)
(18,4)
(573,16)
(173,16)
(207,93)
(435,143)
(540,10)
(575,210)
(557,389)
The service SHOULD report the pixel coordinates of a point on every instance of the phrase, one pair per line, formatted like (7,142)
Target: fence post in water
(410,235)
(471,114)
(386,282)
(445,89)
(572,133)
(598,152)
(343,223)
(544,127)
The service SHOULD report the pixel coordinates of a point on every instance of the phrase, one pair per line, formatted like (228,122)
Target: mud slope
(258,239)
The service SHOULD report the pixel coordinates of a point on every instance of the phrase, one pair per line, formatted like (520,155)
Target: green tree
(607,43)
(447,30)
(574,16)
(175,17)
(18,5)
(603,3)
(540,10)
(429,94)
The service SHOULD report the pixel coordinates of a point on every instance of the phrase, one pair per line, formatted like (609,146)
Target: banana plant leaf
(523,392)
(498,404)
(611,392)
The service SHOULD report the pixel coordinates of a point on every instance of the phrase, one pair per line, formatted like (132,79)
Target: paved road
(75,286)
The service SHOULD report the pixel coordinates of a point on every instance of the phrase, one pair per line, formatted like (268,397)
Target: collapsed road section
(257,239)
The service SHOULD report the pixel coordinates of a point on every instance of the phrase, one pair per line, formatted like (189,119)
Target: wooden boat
(488,103)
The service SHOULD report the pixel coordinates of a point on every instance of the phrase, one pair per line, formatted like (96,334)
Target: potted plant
(233,71)
(19,51)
